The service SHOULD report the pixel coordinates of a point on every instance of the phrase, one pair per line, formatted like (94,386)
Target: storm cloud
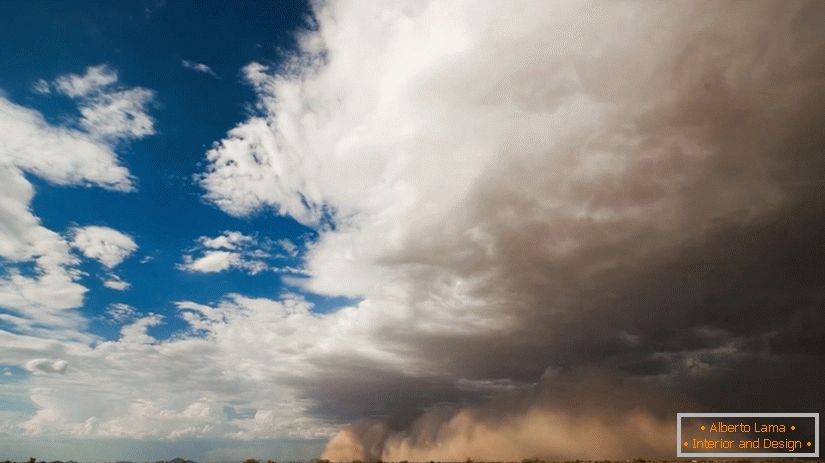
(624,193)
(543,228)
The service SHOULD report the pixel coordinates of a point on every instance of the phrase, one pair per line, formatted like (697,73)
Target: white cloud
(60,156)
(41,87)
(119,312)
(137,331)
(477,180)
(176,388)
(119,115)
(288,269)
(228,240)
(113,281)
(212,261)
(408,159)
(481,174)
(92,82)
(41,301)
(234,250)
(106,245)
(288,246)
(47,366)
(198,67)
(108,111)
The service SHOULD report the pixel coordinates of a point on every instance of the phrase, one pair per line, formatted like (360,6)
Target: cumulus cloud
(61,156)
(228,240)
(557,185)
(106,245)
(107,110)
(553,217)
(212,261)
(180,387)
(137,331)
(119,115)
(198,67)
(234,250)
(47,366)
(35,146)
(40,286)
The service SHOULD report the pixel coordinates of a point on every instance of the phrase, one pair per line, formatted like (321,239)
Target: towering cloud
(557,224)
(625,188)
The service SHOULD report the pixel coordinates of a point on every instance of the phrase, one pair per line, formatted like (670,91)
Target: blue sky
(404,230)
(153,45)
(147,42)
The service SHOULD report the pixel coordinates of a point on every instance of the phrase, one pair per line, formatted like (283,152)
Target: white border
(680,454)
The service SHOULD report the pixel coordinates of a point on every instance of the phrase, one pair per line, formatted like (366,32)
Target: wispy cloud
(113,281)
(92,82)
(199,67)
(42,87)
(119,312)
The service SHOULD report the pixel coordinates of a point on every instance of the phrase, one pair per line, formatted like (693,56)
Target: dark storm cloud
(617,207)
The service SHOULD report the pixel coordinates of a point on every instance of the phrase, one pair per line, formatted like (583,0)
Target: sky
(405,230)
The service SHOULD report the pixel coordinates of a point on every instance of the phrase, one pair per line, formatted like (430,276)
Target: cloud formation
(47,366)
(216,381)
(119,312)
(199,67)
(92,82)
(108,111)
(113,281)
(63,157)
(60,155)
(106,245)
(551,217)
(42,87)
(555,186)
(234,250)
